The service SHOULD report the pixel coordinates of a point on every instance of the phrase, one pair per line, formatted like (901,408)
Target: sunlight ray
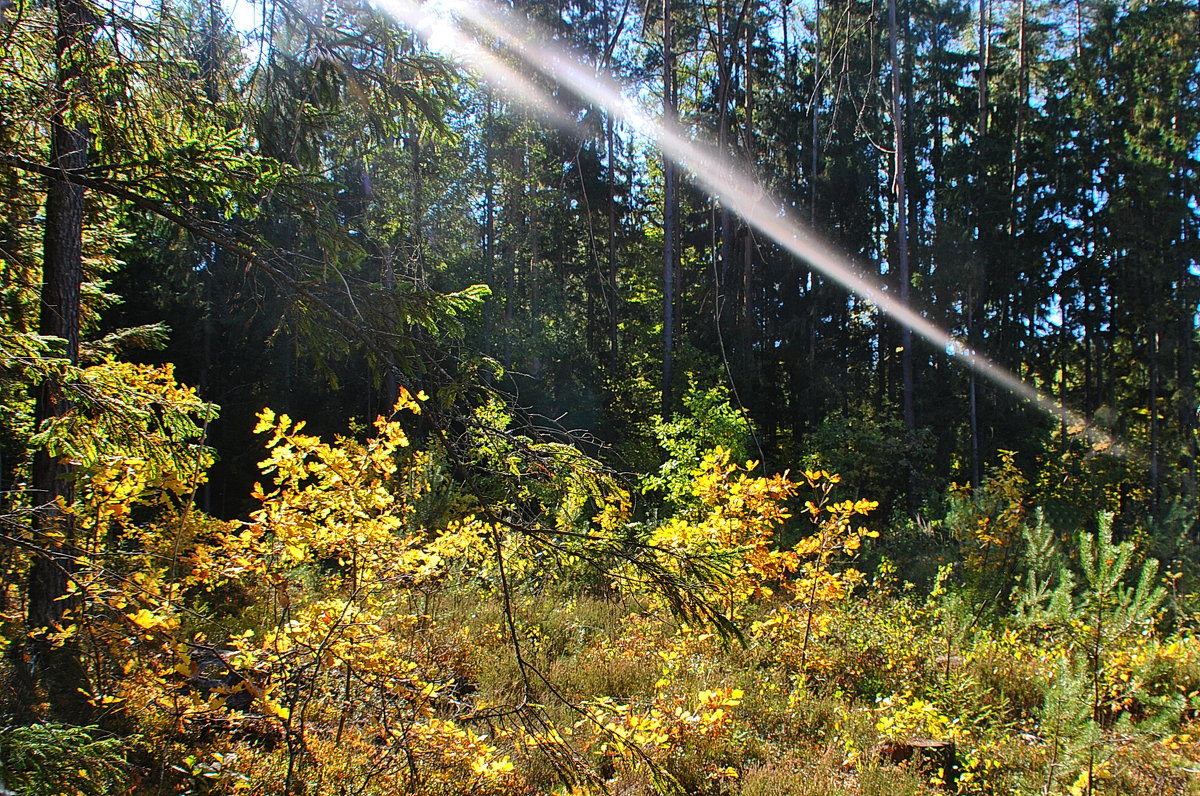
(434,23)
(442,23)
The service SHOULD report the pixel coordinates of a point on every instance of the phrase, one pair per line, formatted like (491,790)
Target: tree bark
(614,304)
(901,205)
(1154,422)
(984,57)
(901,208)
(56,666)
(670,211)
(489,215)
(814,117)
(974,298)
(748,286)
(1019,125)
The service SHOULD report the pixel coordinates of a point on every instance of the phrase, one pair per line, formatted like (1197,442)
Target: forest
(716,397)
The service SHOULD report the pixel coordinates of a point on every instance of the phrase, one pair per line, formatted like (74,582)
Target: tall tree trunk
(724,54)
(391,385)
(611,288)
(748,288)
(976,463)
(418,206)
(901,207)
(937,156)
(814,107)
(614,302)
(914,187)
(1188,419)
(728,36)
(900,196)
(1154,423)
(1078,30)
(670,211)
(489,214)
(975,298)
(791,91)
(1019,126)
(57,667)
(984,57)
(209,54)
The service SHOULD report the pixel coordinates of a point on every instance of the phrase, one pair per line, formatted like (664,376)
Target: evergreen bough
(55,759)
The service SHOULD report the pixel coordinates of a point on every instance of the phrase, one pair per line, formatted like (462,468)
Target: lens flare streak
(435,23)
(441,24)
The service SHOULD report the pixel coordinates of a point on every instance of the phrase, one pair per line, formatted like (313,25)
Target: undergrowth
(348,638)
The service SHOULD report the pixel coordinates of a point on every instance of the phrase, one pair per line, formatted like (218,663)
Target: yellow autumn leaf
(266,421)
(145,619)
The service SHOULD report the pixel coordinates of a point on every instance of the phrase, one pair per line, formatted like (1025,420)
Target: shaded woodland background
(1050,154)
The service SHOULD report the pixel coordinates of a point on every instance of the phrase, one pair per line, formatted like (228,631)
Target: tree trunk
(614,306)
(1154,424)
(975,295)
(901,208)
(57,667)
(418,205)
(1019,126)
(391,385)
(489,217)
(725,58)
(984,55)
(1187,406)
(670,211)
(814,108)
(748,286)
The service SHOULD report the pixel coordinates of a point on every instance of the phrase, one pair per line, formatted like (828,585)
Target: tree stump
(928,755)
